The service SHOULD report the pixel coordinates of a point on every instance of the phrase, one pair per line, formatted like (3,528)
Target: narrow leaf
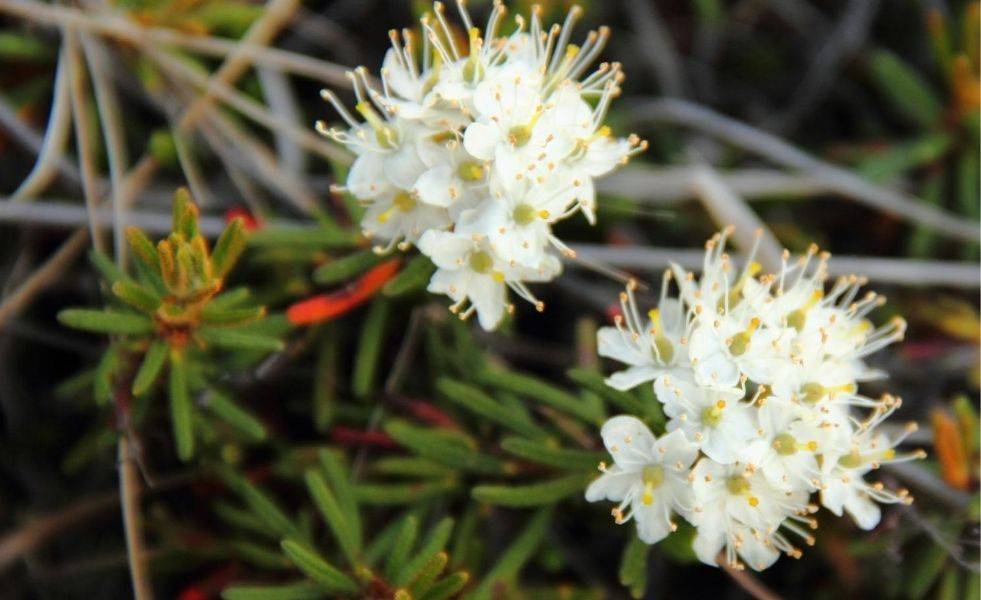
(535,494)
(233,339)
(225,409)
(228,248)
(435,543)
(369,349)
(412,278)
(333,515)
(261,504)
(531,387)
(395,494)
(303,590)
(633,566)
(143,248)
(595,382)
(231,316)
(427,575)
(909,95)
(339,480)
(316,568)
(346,267)
(106,267)
(136,296)
(448,587)
(181,410)
(153,362)
(552,455)
(430,444)
(514,558)
(398,554)
(106,321)
(484,406)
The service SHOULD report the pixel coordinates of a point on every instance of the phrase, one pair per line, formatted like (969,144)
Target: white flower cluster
(758,376)
(472,151)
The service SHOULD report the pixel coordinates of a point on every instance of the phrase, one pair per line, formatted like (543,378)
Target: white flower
(737,510)
(714,419)
(649,477)
(761,373)
(500,137)
(843,485)
(469,271)
(651,347)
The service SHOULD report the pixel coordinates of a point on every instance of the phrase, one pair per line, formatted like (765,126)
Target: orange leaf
(950,450)
(329,306)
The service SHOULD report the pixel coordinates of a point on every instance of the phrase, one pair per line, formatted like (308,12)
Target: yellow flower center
(480,262)
(740,342)
(653,477)
(470,171)
(712,415)
(404,201)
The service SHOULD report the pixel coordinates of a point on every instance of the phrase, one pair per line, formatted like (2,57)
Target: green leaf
(136,296)
(536,389)
(234,339)
(325,379)
(426,576)
(484,406)
(514,558)
(401,493)
(223,407)
(412,278)
(435,543)
(550,454)
(949,584)
(105,374)
(900,158)
(448,587)
(923,241)
(369,349)
(410,466)
(143,248)
(398,554)
(678,545)
(106,321)
(316,568)
(273,517)
(594,381)
(924,569)
(333,515)
(314,237)
(260,556)
(344,268)
(534,494)
(383,540)
(909,95)
(633,566)
(303,590)
(233,298)
(106,267)
(232,317)
(228,248)
(153,362)
(339,479)
(185,214)
(181,409)
(430,444)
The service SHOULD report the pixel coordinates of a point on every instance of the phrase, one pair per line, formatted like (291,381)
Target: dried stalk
(44,276)
(117,26)
(110,116)
(727,209)
(55,136)
(83,138)
(837,179)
